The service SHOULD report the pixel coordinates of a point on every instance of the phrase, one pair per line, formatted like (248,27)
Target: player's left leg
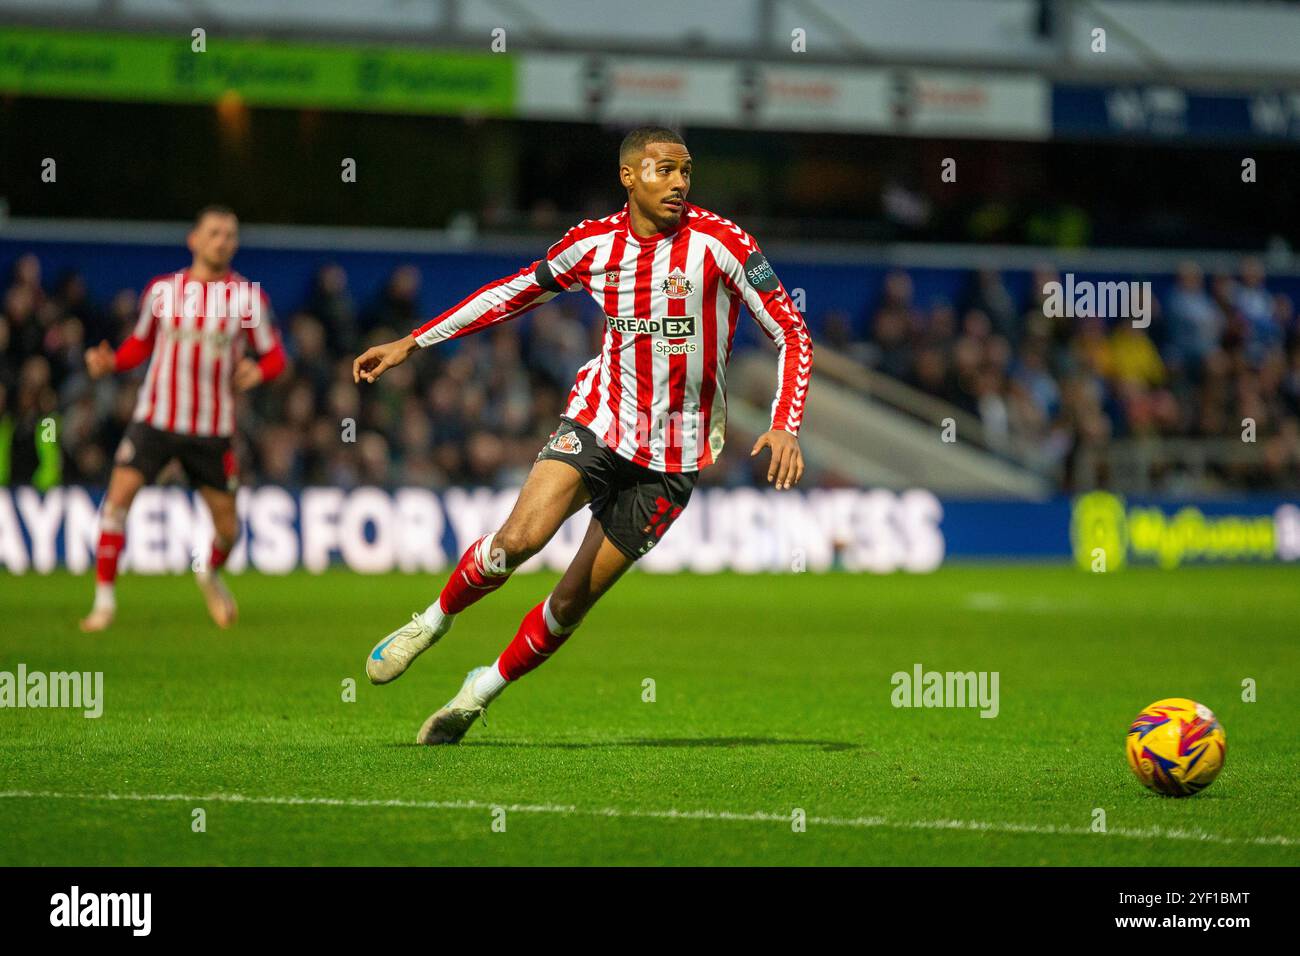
(593,571)
(207,573)
(124,484)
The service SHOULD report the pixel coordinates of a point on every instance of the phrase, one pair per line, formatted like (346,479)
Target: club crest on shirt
(676,285)
(567,444)
(611,278)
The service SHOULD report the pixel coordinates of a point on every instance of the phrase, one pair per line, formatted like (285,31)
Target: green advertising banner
(270,73)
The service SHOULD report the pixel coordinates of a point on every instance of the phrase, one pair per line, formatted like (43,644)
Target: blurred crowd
(1219,353)
(1219,349)
(472,412)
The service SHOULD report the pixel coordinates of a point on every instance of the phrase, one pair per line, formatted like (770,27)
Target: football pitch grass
(771,695)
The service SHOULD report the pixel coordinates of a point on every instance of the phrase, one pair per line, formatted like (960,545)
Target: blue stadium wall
(287,276)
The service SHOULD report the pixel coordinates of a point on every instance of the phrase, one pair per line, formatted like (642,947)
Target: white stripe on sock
(552,625)
(483,558)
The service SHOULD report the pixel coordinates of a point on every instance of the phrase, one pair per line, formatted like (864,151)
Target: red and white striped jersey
(197,332)
(656,394)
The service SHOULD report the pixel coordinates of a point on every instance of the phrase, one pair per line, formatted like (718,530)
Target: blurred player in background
(640,422)
(194,328)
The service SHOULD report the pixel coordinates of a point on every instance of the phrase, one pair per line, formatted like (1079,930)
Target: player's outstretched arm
(786,465)
(377,360)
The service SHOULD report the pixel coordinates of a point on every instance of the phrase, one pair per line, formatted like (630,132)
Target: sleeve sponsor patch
(759,273)
(546,278)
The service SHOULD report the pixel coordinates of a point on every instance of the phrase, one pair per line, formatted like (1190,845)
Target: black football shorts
(207,460)
(634,505)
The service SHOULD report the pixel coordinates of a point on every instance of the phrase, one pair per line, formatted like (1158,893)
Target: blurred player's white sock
(438,620)
(105,597)
(489,684)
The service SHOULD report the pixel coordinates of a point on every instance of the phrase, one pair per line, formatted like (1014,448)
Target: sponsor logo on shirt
(675,348)
(189,336)
(665,327)
(759,273)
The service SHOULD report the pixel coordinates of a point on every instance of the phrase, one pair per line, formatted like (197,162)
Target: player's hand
(787,460)
(100,360)
(248,374)
(374,362)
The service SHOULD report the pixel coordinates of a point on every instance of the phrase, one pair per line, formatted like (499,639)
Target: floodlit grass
(772,695)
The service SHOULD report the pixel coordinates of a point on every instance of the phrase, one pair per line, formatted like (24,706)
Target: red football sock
(218,556)
(536,641)
(110,548)
(475,577)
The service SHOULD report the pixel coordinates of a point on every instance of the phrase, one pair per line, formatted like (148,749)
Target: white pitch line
(973,826)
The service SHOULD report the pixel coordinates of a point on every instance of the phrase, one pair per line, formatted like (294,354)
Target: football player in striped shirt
(195,328)
(642,419)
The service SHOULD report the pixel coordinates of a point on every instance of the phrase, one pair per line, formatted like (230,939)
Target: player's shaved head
(635,142)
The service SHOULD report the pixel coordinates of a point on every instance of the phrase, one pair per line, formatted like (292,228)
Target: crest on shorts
(568,444)
(230,467)
(676,285)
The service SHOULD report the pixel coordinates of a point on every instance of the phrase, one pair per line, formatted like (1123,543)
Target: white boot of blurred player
(112,542)
(102,612)
(221,603)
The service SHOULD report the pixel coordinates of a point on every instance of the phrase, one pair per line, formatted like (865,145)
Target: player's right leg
(553,491)
(207,574)
(123,485)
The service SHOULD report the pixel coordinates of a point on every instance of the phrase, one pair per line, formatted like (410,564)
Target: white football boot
(393,655)
(101,614)
(449,724)
(221,603)
(99,619)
